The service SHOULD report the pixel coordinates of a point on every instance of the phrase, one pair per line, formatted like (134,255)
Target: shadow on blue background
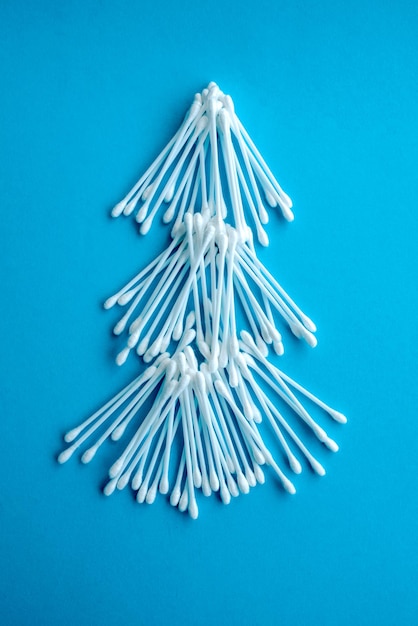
(91,91)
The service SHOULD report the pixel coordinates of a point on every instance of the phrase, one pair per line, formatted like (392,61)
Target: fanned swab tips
(295,466)
(271,200)
(259,475)
(175,496)
(331,445)
(310,339)
(225,495)
(243,485)
(317,467)
(337,416)
(71,435)
(65,455)
(118,209)
(262,237)
(115,468)
(151,495)
(123,481)
(308,323)
(122,356)
(287,213)
(110,487)
(193,510)
(278,348)
(289,486)
(110,302)
(164,485)
(88,455)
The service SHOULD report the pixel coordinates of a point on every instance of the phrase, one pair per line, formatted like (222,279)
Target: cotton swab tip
(88,454)
(331,444)
(169,214)
(130,206)
(214,480)
(115,468)
(206,490)
(71,435)
(151,495)
(289,486)
(65,455)
(278,347)
(337,416)
(271,200)
(308,323)
(122,356)
(141,495)
(119,327)
(287,213)
(317,467)
(110,302)
(123,481)
(197,478)
(141,215)
(259,456)
(136,481)
(118,209)
(193,510)
(250,476)
(225,495)
(262,237)
(146,225)
(222,389)
(126,297)
(183,501)
(164,485)
(232,486)
(118,432)
(243,485)
(110,487)
(295,466)
(310,339)
(213,363)
(259,475)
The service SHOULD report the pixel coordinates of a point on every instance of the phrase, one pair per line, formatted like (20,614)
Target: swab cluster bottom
(217,428)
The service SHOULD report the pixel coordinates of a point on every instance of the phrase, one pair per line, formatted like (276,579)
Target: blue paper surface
(91,91)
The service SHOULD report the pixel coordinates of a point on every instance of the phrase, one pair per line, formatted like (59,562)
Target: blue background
(91,91)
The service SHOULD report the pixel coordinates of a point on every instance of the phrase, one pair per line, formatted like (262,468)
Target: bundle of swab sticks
(195,416)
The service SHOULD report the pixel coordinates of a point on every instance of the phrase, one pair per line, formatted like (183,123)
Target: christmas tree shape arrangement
(194,418)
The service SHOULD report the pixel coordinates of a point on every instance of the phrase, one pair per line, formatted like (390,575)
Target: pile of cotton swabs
(194,415)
